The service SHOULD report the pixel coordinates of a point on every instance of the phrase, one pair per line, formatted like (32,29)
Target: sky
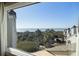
(48,15)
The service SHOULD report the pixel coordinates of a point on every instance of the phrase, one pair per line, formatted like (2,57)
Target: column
(1,19)
(77,43)
(74,27)
(3,28)
(12,37)
(65,34)
(0,25)
(69,32)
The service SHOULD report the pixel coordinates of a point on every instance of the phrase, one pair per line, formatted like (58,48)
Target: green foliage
(30,41)
(28,46)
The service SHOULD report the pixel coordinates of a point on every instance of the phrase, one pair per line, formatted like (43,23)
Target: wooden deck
(42,53)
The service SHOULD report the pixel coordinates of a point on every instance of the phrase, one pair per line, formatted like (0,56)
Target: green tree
(48,37)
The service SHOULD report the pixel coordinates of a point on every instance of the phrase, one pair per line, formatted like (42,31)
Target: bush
(28,46)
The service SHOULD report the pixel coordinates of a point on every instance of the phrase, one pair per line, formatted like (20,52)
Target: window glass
(40,28)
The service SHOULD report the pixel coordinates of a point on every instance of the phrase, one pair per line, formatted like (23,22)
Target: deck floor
(60,50)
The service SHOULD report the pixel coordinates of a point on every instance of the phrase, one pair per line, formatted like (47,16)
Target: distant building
(68,33)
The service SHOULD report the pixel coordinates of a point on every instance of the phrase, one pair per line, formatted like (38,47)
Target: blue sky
(48,15)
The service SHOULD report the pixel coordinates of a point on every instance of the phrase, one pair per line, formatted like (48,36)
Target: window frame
(4,25)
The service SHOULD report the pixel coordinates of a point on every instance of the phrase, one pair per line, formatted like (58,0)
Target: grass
(28,46)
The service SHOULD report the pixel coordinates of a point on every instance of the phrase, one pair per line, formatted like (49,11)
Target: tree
(49,37)
(38,38)
(47,30)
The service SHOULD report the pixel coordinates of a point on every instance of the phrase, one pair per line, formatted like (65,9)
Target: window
(40,28)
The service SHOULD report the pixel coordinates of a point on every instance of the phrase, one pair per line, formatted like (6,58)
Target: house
(71,37)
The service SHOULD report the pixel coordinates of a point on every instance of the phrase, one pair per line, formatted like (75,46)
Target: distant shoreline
(34,29)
